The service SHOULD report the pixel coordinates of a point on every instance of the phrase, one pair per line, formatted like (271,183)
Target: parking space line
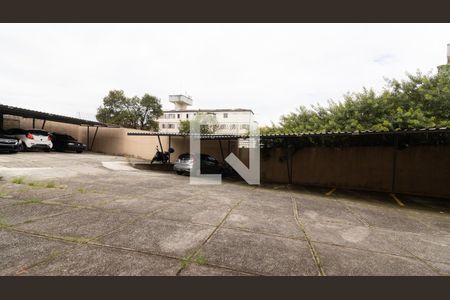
(329,193)
(400,203)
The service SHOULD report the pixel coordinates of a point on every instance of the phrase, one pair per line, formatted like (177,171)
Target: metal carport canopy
(202,136)
(34,114)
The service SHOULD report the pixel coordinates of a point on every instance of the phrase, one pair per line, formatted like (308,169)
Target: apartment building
(445,68)
(230,121)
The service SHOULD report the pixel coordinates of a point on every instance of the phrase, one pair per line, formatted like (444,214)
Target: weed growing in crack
(29,201)
(48,185)
(200,259)
(3,223)
(18,180)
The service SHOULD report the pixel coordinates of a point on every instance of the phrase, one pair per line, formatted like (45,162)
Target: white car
(32,138)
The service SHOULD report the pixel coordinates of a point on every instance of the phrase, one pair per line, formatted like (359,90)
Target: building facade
(446,68)
(230,121)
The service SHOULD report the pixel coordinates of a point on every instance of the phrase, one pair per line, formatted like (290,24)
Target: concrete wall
(26,123)
(211,147)
(357,167)
(420,170)
(424,170)
(114,141)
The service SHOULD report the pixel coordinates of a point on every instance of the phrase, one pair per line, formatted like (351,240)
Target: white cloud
(270,68)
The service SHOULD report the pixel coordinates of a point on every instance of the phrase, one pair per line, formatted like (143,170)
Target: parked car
(31,138)
(208,164)
(9,144)
(65,142)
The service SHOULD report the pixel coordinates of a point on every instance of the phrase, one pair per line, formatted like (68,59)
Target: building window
(163,125)
(187,116)
(233,126)
(245,126)
(223,126)
(225,115)
(178,116)
(171,126)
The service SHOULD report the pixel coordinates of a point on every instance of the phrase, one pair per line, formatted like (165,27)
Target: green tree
(185,126)
(208,124)
(149,110)
(134,112)
(418,101)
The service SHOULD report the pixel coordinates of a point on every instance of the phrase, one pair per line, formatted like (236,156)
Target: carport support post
(394,164)
(288,159)
(93,139)
(1,121)
(43,124)
(170,145)
(221,150)
(160,144)
(87,143)
(34,121)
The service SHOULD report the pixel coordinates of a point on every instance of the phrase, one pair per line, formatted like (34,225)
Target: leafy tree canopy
(134,112)
(208,124)
(419,101)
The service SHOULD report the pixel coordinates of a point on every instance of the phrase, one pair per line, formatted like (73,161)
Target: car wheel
(79,151)
(22,148)
(47,150)
(179,173)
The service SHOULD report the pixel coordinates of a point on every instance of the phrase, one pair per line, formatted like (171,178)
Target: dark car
(65,142)
(208,164)
(9,144)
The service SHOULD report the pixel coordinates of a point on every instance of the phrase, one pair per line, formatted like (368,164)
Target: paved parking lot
(92,214)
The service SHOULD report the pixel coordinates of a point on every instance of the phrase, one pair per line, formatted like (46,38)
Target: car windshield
(64,136)
(15,131)
(5,137)
(188,156)
(38,132)
(185,156)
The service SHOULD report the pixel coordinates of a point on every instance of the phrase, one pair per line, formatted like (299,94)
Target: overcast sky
(269,68)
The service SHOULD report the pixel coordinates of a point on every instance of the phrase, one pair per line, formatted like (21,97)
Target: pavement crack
(190,257)
(308,240)
(353,213)
(53,255)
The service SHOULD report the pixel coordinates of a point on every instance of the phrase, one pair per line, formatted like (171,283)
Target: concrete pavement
(92,214)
